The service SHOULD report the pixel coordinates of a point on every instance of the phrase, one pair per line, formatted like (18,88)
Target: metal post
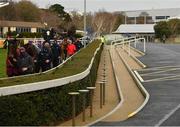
(144,45)
(125,19)
(104,91)
(73,111)
(129,49)
(101,94)
(73,94)
(84,103)
(91,99)
(135,43)
(85,18)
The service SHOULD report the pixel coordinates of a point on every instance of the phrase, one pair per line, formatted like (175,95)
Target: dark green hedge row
(45,107)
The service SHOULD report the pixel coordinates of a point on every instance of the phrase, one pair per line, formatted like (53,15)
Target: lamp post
(85,29)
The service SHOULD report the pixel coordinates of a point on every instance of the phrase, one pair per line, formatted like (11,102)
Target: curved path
(132,96)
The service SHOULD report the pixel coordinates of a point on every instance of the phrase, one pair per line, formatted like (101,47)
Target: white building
(155,14)
(141,30)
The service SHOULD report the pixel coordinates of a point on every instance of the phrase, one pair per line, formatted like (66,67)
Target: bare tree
(105,22)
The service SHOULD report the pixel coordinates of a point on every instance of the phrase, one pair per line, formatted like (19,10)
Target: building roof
(135,28)
(20,24)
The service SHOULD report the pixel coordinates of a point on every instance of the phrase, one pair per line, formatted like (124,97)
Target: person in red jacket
(71,48)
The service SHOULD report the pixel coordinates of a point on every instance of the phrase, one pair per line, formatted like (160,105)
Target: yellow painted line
(132,114)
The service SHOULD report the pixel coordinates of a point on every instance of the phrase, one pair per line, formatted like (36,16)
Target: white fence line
(135,40)
(30,87)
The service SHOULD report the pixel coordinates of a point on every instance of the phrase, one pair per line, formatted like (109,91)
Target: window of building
(39,30)
(160,17)
(23,29)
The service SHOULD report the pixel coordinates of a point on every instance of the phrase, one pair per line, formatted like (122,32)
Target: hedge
(46,107)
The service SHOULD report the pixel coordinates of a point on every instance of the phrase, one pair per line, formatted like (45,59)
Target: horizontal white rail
(30,87)
(122,40)
(135,42)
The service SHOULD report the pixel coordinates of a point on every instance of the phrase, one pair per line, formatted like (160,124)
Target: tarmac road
(163,108)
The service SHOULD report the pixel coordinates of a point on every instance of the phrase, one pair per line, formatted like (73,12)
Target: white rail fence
(30,87)
(129,41)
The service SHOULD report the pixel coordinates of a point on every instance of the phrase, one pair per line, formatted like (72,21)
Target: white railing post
(135,43)
(129,48)
(144,45)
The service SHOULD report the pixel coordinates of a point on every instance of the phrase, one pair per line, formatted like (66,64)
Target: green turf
(78,64)
(3,55)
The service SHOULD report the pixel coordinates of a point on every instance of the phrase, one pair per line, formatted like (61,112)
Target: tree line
(170,28)
(56,16)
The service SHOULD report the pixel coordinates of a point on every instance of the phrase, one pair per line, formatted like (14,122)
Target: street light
(85,29)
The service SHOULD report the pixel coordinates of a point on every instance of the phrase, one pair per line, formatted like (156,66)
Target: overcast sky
(110,5)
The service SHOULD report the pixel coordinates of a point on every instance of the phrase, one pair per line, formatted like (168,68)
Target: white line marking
(157,72)
(162,79)
(167,116)
(159,68)
(139,77)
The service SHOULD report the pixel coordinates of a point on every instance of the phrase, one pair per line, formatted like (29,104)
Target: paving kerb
(142,53)
(112,98)
(140,86)
(132,63)
(134,56)
(126,49)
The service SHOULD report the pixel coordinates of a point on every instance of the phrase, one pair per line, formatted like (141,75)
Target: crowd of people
(27,57)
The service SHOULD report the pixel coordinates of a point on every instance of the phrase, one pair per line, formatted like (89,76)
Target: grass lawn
(79,63)
(3,62)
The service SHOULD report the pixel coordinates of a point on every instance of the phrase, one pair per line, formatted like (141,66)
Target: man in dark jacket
(56,52)
(25,62)
(45,57)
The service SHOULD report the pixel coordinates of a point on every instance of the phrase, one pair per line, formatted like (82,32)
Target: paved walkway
(132,97)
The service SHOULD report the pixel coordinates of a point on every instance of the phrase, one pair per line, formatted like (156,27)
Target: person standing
(164,38)
(71,48)
(11,63)
(25,62)
(45,57)
(56,52)
(103,40)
